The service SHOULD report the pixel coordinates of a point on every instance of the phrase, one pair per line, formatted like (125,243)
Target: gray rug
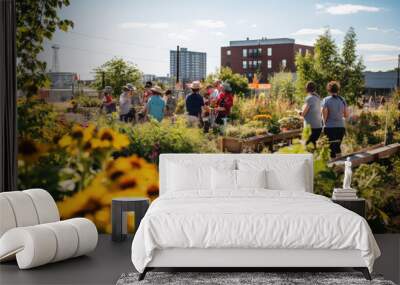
(243,278)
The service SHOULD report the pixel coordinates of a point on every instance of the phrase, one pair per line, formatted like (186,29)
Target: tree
(328,64)
(117,73)
(239,83)
(282,86)
(37,20)
(352,67)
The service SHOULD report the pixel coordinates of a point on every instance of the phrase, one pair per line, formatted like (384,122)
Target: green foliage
(117,73)
(239,83)
(351,67)
(369,180)
(87,101)
(37,20)
(327,64)
(282,86)
(38,120)
(150,139)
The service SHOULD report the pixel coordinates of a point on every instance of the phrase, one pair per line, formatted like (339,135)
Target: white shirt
(125,104)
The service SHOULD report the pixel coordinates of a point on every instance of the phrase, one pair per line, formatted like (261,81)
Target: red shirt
(225,100)
(108,99)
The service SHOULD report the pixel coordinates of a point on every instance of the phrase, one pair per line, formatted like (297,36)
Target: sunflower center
(128,184)
(106,137)
(77,134)
(27,148)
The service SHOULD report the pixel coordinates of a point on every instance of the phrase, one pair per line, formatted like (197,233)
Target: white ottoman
(31,232)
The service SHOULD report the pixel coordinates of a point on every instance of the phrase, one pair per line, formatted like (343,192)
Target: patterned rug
(244,278)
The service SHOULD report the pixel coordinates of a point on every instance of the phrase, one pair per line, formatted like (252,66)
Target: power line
(110,53)
(126,43)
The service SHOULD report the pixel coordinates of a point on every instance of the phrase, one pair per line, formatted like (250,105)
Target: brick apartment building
(266,56)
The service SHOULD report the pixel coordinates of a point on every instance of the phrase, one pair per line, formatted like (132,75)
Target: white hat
(195,85)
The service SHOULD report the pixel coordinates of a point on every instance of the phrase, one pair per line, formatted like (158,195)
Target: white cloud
(316,32)
(381,58)
(139,25)
(254,26)
(219,34)
(378,47)
(211,24)
(346,9)
(178,36)
(377,29)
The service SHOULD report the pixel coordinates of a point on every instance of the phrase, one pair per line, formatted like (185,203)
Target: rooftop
(262,41)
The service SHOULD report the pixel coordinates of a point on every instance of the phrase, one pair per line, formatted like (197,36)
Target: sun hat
(195,85)
(227,86)
(107,89)
(131,87)
(157,89)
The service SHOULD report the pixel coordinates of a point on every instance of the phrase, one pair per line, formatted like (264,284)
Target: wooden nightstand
(355,205)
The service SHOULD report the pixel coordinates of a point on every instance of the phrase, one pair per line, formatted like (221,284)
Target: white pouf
(31,232)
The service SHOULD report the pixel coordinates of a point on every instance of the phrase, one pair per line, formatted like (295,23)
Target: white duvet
(250,219)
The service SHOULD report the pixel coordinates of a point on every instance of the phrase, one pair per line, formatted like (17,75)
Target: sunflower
(30,151)
(77,132)
(89,132)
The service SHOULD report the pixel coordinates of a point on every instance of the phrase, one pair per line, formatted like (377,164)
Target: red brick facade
(257,58)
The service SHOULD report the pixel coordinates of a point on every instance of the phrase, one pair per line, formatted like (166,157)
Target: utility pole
(103,80)
(177,64)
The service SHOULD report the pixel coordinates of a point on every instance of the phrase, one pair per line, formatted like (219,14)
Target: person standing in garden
(170,102)
(334,112)
(194,104)
(311,112)
(125,105)
(155,106)
(108,103)
(147,91)
(224,103)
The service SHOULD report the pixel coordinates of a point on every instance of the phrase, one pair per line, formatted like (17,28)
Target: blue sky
(143,32)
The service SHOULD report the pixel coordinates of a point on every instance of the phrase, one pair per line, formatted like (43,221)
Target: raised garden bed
(256,143)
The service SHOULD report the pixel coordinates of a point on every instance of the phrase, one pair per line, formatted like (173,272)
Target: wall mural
(87,141)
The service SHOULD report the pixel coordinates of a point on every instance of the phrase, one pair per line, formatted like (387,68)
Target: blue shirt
(155,107)
(336,106)
(313,116)
(194,102)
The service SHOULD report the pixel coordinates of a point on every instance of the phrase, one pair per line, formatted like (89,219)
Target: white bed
(248,227)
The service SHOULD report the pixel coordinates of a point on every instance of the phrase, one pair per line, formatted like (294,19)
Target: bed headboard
(176,157)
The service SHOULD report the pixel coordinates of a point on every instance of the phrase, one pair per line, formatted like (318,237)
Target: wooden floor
(110,260)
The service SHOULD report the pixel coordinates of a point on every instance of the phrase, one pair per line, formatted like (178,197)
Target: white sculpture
(347,174)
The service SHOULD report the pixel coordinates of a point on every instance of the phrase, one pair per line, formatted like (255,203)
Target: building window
(284,63)
(300,51)
(259,51)
(269,51)
(228,52)
(244,64)
(244,52)
(259,63)
(255,63)
(269,64)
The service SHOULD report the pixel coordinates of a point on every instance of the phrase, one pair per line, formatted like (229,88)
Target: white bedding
(250,219)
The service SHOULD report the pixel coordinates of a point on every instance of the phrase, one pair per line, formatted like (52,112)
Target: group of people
(213,107)
(203,108)
(133,107)
(327,115)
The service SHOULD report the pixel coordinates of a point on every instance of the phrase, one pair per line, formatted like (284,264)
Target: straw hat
(107,89)
(157,89)
(196,85)
(131,87)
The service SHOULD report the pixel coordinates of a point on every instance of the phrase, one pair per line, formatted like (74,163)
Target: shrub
(150,139)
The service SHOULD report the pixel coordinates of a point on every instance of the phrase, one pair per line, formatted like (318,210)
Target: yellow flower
(65,141)
(30,151)
(77,132)
(89,132)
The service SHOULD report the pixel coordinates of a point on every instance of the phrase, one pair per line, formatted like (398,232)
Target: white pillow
(251,178)
(194,175)
(182,177)
(282,174)
(223,179)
